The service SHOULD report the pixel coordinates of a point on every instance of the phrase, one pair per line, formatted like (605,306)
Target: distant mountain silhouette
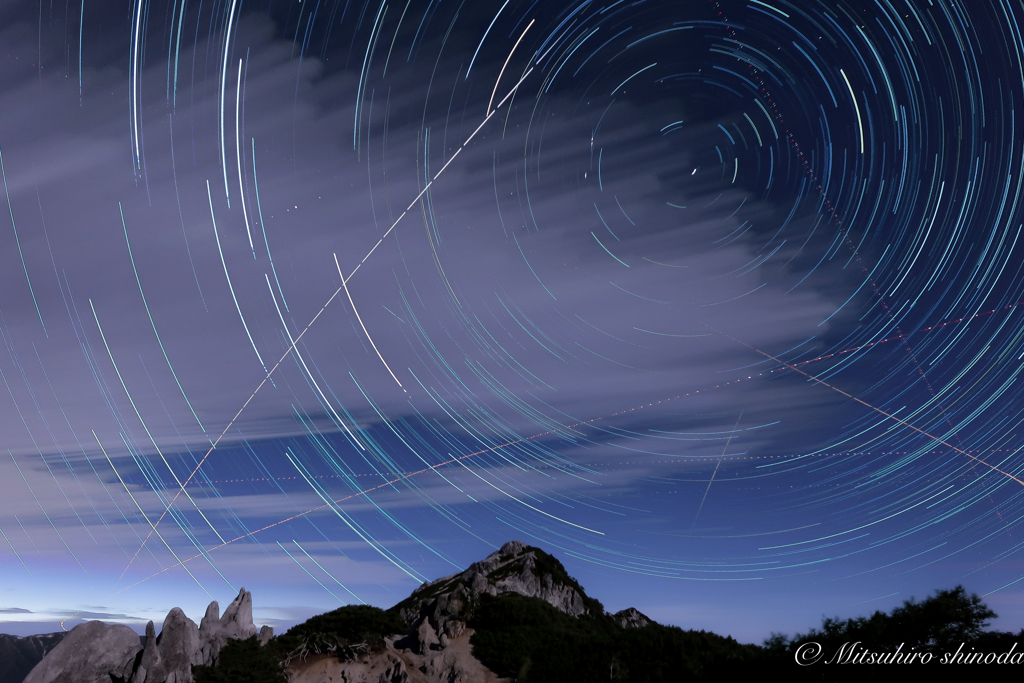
(18,654)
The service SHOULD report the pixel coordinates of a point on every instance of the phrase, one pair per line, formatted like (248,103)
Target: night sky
(721,303)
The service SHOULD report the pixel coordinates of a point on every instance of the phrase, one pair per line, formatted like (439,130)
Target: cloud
(78,614)
(546,303)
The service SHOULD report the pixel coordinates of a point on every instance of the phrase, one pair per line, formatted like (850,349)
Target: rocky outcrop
(169,657)
(631,618)
(394,672)
(89,654)
(515,568)
(437,610)
(95,652)
(214,631)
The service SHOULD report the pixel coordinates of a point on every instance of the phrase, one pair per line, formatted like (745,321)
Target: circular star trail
(719,301)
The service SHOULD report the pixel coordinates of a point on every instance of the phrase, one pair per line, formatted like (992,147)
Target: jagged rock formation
(169,657)
(95,652)
(214,631)
(18,654)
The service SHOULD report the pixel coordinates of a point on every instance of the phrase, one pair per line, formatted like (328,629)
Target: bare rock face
(426,637)
(395,672)
(179,644)
(214,631)
(151,662)
(89,654)
(169,658)
(631,618)
(95,652)
(437,610)
(515,568)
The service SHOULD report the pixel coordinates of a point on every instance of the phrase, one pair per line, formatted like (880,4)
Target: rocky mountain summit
(95,652)
(437,609)
(436,647)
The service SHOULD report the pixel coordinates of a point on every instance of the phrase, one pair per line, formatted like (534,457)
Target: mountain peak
(437,610)
(515,568)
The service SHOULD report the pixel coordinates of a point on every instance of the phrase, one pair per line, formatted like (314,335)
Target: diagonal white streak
(507,60)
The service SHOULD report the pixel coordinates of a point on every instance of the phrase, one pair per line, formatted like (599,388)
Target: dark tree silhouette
(936,624)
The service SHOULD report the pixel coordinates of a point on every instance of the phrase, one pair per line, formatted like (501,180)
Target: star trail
(720,302)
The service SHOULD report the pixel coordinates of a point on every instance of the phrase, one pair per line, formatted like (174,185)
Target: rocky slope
(436,648)
(437,610)
(95,652)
